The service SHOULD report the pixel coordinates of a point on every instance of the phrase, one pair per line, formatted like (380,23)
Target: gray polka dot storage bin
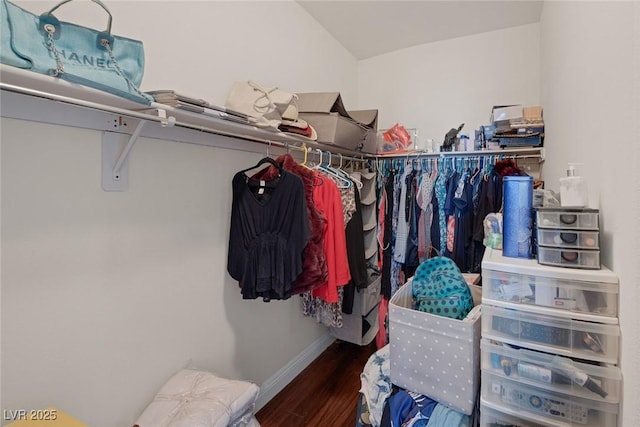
(434,355)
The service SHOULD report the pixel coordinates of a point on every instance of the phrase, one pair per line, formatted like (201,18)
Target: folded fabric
(196,398)
(409,409)
(376,384)
(245,420)
(443,416)
(308,131)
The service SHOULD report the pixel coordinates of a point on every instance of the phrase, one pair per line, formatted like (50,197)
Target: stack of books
(530,123)
(197,105)
(517,126)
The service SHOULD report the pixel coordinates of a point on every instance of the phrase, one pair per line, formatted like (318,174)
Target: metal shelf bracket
(115,153)
(115,156)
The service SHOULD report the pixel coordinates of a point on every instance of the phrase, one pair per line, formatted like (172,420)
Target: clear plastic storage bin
(569,238)
(566,337)
(574,258)
(545,406)
(576,219)
(589,300)
(490,417)
(554,373)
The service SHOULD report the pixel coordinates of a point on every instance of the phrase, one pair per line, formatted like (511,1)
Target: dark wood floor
(324,394)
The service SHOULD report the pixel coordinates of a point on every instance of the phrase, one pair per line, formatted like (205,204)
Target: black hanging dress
(269,231)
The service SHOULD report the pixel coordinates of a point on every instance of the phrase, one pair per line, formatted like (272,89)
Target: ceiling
(369,28)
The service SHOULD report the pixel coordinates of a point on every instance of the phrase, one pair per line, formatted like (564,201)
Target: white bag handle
(262,107)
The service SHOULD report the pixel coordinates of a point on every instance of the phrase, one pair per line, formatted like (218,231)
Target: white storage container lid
(493,260)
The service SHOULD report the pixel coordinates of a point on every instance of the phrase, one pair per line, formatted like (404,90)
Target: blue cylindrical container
(517,216)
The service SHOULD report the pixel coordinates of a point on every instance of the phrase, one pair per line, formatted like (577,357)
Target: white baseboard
(284,376)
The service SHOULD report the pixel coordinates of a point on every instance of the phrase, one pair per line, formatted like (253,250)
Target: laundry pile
(382,404)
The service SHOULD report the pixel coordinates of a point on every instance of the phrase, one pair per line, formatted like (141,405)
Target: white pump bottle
(573,189)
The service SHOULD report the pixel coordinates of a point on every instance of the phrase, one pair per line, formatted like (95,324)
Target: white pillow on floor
(198,399)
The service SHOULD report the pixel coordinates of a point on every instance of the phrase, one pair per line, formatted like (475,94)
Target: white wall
(582,64)
(105,295)
(436,86)
(591,97)
(202,47)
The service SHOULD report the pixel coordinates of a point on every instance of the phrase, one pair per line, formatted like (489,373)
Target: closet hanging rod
(520,153)
(509,155)
(504,155)
(81,103)
(339,156)
(159,116)
(355,159)
(163,116)
(310,150)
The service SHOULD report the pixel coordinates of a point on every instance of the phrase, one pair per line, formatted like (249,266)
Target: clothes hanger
(263,161)
(370,164)
(424,167)
(329,166)
(381,167)
(305,149)
(317,180)
(344,183)
(488,167)
(263,183)
(358,183)
(317,165)
(476,171)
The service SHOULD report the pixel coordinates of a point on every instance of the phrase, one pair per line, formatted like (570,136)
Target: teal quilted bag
(439,288)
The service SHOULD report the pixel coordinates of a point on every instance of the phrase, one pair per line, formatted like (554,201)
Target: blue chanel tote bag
(46,45)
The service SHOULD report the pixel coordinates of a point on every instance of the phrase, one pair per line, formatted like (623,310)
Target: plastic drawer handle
(569,237)
(569,256)
(568,218)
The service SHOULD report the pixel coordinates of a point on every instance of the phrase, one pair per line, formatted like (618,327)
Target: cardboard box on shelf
(501,113)
(533,113)
(354,130)
(531,122)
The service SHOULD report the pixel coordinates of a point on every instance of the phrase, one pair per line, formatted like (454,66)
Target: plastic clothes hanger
(476,170)
(263,183)
(381,167)
(329,166)
(263,161)
(344,182)
(358,183)
(304,160)
(317,181)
